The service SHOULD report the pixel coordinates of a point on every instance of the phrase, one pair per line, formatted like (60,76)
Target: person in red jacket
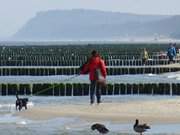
(96,68)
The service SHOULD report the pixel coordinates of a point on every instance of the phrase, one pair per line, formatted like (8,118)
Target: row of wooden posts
(113,62)
(46,71)
(77,89)
(77,57)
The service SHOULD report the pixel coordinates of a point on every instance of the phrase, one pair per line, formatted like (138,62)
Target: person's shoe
(91,103)
(99,102)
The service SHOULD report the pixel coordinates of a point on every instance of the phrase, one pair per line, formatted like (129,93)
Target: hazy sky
(15,13)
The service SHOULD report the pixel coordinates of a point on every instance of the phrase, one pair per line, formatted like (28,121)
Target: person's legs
(92,91)
(173,59)
(170,59)
(98,93)
(143,61)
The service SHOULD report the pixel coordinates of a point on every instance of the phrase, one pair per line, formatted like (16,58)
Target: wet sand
(160,111)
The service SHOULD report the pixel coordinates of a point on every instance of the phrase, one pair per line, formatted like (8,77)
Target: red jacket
(93,64)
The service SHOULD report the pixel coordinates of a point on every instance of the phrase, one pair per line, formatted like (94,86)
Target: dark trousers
(95,88)
(144,61)
(171,60)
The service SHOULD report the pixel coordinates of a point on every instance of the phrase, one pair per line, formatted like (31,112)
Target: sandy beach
(160,111)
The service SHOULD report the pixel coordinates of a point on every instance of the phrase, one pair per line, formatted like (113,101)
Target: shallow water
(140,78)
(13,125)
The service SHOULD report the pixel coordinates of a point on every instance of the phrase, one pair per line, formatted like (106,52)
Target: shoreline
(158,112)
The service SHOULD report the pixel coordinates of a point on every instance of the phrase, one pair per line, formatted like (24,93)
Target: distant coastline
(84,42)
(95,25)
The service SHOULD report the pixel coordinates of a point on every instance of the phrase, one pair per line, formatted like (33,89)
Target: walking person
(145,56)
(171,53)
(96,68)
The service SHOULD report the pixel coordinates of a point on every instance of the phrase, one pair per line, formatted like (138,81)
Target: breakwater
(77,89)
(67,70)
(65,60)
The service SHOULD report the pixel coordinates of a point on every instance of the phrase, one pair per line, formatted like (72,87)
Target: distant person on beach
(145,56)
(171,53)
(177,49)
(96,68)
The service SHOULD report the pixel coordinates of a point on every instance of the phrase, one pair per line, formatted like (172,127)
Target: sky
(15,13)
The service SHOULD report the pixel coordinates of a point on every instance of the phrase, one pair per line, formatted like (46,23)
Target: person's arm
(174,51)
(84,69)
(147,55)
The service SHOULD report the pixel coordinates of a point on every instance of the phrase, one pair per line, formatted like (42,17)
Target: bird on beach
(100,128)
(140,128)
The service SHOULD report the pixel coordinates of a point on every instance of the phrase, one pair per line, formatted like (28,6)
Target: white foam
(171,76)
(7,105)
(30,104)
(174,76)
(21,123)
(151,74)
(67,128)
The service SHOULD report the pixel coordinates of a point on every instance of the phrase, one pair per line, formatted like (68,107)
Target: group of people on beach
(171,54)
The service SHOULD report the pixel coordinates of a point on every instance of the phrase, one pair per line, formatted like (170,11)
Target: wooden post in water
(65,90)
(1,72)
(24,90)
(1,89)
(53,88)
(6,92)
(125,89)
(17,88)
(135,88)
(171,91)
(31,89)
(68,89)
(72,89)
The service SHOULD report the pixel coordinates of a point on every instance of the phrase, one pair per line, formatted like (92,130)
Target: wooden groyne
(70,62)
(55,70)
(52,60)
(78,89)
(76,55)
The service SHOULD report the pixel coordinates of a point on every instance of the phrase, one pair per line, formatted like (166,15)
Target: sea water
(11,124)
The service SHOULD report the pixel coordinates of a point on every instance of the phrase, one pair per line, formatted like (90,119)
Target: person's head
(174,44)
(94,53)
(171,45)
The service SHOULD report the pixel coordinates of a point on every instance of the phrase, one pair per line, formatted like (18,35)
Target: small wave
(10,108)
(67,128)
(151,74)
(171,76)
(13,105)
(21,123)
(30,104)
(7,105)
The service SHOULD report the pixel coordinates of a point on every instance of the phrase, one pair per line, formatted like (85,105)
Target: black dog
(100,128)
(21,102)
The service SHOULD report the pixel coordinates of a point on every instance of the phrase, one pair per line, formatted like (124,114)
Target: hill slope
(94,24)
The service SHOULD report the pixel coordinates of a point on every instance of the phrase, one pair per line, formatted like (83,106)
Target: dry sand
(160,111)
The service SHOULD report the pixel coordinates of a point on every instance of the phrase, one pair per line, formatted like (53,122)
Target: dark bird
(100,128)
(140,128)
